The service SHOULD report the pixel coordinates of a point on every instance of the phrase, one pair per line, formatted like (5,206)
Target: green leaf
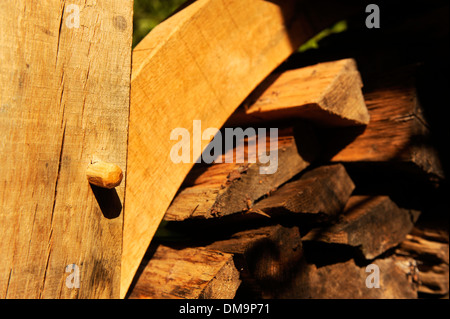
(313,43)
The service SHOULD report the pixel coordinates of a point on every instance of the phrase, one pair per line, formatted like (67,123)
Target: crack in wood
(7,284)
(49,245)
(59,33)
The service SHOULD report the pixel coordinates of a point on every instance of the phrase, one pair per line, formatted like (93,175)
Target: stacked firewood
(355,208)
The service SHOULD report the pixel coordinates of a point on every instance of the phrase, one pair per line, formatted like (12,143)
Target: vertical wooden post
(64,98)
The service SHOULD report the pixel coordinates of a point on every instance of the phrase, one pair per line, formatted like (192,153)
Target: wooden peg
(102,174)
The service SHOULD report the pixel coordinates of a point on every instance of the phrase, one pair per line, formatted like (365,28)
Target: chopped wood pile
(320,173)
(356,208)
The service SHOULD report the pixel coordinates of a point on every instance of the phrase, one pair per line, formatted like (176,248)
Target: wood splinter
(102,174)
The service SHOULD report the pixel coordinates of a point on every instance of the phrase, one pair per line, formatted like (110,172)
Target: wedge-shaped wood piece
(188,273)
(267,255)
(328,93)
(200,64)
(397,135)
(322,191)
(64,97)
(227,188)
(374,224)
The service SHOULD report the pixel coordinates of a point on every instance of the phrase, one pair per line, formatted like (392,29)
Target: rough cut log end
(326,93)
(373,224)
(322,191)
(189,273)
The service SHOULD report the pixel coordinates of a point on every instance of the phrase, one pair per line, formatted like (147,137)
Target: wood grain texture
(222,189)
(397,134)
(188,273)
(373,224)
(327,93)
(426,261)
(321,191)
(64,97)
(347,280)
(200,64)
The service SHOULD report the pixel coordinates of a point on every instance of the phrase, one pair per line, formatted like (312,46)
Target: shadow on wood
(108,201)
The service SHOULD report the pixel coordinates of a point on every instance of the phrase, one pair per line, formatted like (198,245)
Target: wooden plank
(373,224)
(323,192)
(397,135)
(327,93)
(188,273)
(228,188)
(64,97)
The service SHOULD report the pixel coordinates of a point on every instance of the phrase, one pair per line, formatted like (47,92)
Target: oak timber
(373,224)
(328,93)
(222,189)
(322,191)
(189,273)
(64,98)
